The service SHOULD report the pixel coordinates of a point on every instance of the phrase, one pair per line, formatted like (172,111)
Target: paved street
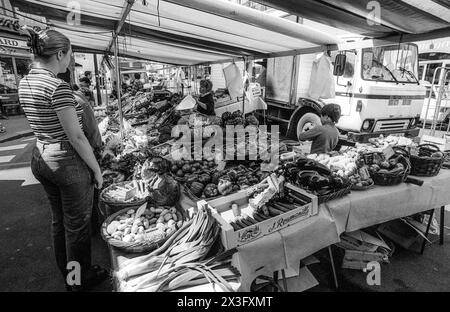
(26,257)
(27,262)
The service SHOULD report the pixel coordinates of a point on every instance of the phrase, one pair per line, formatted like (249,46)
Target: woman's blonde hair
(48,42)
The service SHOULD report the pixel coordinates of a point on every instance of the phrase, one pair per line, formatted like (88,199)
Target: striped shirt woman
(63,160)
(41,95)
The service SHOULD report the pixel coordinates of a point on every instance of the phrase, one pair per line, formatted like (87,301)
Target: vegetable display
(183,253)
(152,225)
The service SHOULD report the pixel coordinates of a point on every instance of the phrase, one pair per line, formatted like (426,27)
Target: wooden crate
(221,210)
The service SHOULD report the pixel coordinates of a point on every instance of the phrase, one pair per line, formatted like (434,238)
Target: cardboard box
(221,210)
(400,233)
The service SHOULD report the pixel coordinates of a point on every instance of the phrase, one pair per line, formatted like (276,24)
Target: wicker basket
(131,247)
(388,179)
(116,205)
(425,165)
(341,193)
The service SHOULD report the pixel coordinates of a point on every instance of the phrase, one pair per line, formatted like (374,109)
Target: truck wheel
(307,122)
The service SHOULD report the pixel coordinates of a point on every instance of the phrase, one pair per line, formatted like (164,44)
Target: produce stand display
(257,218)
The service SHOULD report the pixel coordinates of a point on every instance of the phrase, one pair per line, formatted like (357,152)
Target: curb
(17,136)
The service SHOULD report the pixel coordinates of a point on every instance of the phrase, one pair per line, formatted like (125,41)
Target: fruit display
(152,225)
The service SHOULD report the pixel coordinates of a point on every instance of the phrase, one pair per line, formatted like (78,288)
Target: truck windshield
(396,63)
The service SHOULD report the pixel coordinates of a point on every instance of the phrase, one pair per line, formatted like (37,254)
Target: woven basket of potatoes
(142,229)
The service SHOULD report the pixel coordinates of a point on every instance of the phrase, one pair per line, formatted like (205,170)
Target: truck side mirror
(339,64)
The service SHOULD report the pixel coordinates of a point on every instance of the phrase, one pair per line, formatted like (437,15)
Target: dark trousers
(69,186)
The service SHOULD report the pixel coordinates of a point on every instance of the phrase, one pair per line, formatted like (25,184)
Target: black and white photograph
(204,147)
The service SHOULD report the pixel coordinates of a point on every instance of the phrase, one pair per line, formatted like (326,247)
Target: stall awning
(174,31)
(192,32)
(393,17)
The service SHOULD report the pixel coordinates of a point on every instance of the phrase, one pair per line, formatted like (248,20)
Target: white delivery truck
(434,61)
(377,89)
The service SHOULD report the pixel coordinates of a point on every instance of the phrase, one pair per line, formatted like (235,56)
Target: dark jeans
(69,186)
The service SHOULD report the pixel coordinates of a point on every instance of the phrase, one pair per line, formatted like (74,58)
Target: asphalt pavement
(27,262)
(26,257)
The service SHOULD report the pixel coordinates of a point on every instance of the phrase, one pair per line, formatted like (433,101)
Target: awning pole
(118,85)
(97,81)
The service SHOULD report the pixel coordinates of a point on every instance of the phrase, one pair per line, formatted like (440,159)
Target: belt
(61,144)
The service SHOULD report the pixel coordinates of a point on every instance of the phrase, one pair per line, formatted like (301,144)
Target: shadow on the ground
(26,257)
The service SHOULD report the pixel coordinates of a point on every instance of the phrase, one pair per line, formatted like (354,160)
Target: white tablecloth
(361,209)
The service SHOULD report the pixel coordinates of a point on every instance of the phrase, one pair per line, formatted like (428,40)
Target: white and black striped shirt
(41,95)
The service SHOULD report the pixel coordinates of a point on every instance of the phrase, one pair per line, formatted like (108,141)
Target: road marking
(12,147)
(5,159)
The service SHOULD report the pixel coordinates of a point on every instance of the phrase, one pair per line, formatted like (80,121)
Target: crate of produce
(295,206)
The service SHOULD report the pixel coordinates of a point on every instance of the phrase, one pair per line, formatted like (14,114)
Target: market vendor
(326,136)
(205,102)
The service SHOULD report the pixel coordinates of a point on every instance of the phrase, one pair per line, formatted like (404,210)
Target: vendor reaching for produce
(326,136)
(205,102)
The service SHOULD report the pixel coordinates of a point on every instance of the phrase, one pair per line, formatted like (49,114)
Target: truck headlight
(366,125)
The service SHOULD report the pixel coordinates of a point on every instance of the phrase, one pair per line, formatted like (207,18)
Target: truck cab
(377,89)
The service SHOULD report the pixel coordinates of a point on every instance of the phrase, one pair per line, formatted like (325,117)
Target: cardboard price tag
(388,152)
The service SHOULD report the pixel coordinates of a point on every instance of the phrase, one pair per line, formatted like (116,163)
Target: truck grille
(385,125)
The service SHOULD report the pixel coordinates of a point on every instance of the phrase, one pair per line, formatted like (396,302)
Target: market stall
(176,221)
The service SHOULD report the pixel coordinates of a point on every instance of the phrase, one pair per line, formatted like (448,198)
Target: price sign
(388,152)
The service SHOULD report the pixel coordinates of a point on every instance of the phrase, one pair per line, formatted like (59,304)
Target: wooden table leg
(333,268)
(441,225)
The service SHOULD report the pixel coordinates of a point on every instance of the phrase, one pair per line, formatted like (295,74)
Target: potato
(118,237)
(164,212)
(137,222)
(171,223)
(127,231)
(117,233)
(140,230)
(127,238)
(167,217)
(134,229)
(112,227)
(161,226)
(122,227)
(130,221)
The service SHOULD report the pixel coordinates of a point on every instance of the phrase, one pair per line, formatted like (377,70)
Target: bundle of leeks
(185,251)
